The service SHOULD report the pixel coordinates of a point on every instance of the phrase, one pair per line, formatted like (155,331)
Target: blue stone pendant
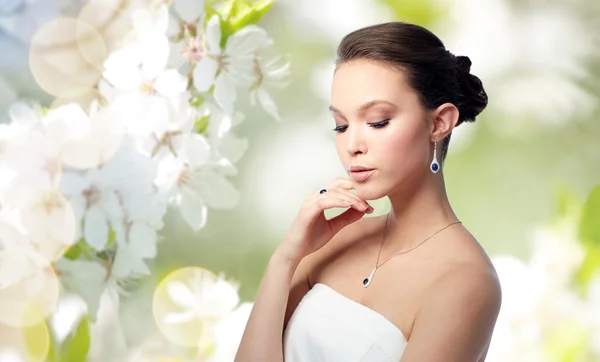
(435,166)
(367,281)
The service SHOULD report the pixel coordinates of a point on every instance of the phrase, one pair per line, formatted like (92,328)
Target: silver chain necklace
(367,281)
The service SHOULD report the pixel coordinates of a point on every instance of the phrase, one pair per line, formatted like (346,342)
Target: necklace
(367,281)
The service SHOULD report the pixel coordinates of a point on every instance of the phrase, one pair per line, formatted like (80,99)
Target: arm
(284,284)
(457,318)
(286,279)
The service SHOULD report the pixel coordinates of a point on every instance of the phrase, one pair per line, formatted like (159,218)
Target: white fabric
(329,327)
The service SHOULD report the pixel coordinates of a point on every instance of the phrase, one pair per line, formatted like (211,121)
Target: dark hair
(434,72)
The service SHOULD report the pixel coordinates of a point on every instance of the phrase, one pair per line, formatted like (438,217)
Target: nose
(356,143)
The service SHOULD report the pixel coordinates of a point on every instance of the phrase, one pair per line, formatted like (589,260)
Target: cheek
(340,147)
(403,147)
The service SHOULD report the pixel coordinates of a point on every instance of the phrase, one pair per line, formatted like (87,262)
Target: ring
(323,191)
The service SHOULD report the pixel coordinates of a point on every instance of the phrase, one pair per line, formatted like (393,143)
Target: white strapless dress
(329,327)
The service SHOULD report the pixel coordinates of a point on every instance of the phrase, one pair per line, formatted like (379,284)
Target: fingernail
(370,210)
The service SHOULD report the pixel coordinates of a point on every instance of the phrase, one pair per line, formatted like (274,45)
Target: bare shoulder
(465,277)
(459,308)
(467,268)
(475,281)
(467,284)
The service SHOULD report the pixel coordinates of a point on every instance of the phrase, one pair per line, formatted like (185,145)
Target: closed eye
(379,124)
(341,128)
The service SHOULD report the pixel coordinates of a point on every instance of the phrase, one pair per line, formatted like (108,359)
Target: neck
(417,213)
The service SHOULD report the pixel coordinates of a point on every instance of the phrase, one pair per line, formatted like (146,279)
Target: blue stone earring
(435,166)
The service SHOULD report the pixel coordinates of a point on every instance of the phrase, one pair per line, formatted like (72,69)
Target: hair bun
(463,64)
(475,98)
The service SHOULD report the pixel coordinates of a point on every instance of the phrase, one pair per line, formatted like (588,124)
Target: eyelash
(379,124)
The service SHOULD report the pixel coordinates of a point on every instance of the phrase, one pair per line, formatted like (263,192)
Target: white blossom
(84,140)
(220,133)
(87,278)
(111,196)
(201,298)
(273,73)
(228,333)
(227,68)
(537,296)
(95,182)
(18,258)
(186,30)
(194,187)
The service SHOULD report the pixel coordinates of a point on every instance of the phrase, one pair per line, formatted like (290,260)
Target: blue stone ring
(323,191)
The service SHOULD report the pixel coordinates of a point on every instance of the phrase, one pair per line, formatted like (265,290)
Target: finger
(323,203)
(342,183)
(345,184)
(360,204)
(344,219)
(355,202)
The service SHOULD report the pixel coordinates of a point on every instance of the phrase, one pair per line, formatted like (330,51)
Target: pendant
(367,281)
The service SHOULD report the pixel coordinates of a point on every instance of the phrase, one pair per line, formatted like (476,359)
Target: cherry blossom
(227,68)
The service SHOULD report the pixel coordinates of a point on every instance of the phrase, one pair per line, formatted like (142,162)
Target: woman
(413,285)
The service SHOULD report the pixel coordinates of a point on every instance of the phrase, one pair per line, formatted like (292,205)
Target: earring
(435,166)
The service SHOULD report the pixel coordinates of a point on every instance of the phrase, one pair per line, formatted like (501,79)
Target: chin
(369,192)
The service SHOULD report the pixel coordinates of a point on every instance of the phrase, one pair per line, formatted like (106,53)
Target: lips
(358,168)
(361,175)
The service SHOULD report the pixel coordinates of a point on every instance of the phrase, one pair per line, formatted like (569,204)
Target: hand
(310,231)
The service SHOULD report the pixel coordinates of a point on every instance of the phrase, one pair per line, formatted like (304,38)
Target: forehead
(361,81)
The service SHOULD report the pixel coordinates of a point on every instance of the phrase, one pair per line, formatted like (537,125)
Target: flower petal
(277,72)
(225,92)
(246,41)
(78,204)
(189,10)
(23,114)
(228,333)
(172,27)
(171,83)
(193,211)
(66,122)
(213,34)
(161,19)
(197,150)
(179,318)
(110,204)
(169,170)
(155,55)
(128,263)
(204,74)
(224,295)
(267,103)
(143,238)
(120,69)
(72,184)
(87,278)
(95,228)
(180,294)
(176,59)
(218,192)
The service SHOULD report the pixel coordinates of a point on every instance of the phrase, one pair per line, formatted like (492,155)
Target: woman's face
(381,126)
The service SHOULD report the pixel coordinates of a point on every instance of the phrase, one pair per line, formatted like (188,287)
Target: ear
(445,118)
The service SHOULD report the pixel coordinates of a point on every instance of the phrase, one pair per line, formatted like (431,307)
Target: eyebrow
(364,107)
